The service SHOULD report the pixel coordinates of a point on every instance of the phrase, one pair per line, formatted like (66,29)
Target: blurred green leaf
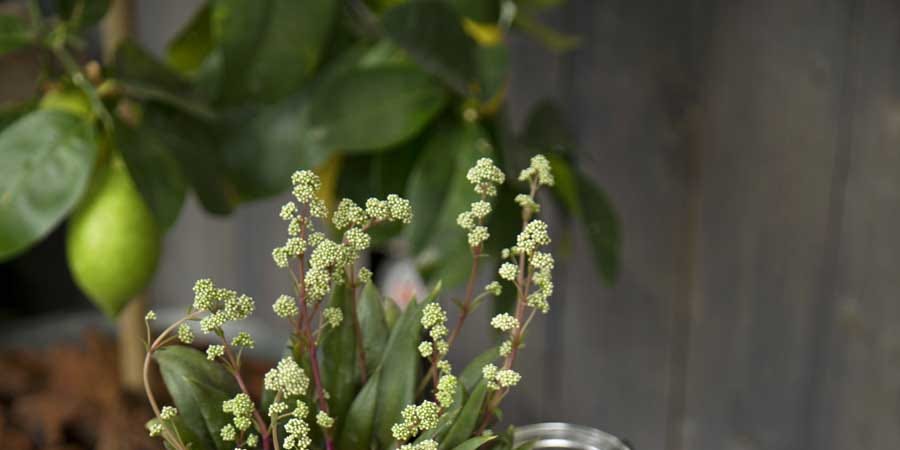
(430,30)
(340,370)
(479,10)
(566,184)
(270,47)
(194,146)
(14,33)
(399,369)
(82,14)
(438,191)
(546,131)
(193,44)
(372,323)
(474,443)
(187,435)
(373,109)
(467,419)
(154,170)
(11,112)
(551,39)
(46,158)
(539,4)
(198,387)
(471,375)
(493,73)
(603,228)
(135,64)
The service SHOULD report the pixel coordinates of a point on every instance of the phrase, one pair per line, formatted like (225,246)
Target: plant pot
(557,435)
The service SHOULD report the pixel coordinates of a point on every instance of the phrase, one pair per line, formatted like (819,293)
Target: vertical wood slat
(772,111)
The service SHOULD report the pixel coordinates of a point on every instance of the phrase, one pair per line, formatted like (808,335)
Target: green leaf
(546,131)
(11,112)
(187,435)
(14,33)
(193,144)
(154,170)
(468,418)
(471,375)
(431,32)
(360,421)
(270,47)
(603,228)
(372,109)
(81,14)
(444,423)
(46,158)
(192,45)
(438,191)
(474,443)
(372,323)
(480,10)
(340,370)
(551,39)
(566,183)
(198,387)
(399,369)
(135,64)
(493,72)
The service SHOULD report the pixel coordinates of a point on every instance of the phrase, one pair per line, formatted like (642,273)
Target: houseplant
(350,379)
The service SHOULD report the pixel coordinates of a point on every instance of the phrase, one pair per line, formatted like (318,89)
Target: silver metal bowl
(557,435)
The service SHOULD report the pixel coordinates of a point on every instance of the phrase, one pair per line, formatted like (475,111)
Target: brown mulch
(68,397)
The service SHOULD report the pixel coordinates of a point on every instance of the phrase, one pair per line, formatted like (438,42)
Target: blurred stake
(115,28)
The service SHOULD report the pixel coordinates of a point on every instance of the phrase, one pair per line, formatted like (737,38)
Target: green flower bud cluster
(504,322)
(287,377)
(499,378)
(365,275)
(485,176)
(285,307)
(241,407)
(151,315)
(446,389)
(393,209)
(168,413)
(215,351)
(415,420)
(223,305)
(243,339)
(324,420)
(185,334)
(434,319)
(494,288)
(427,444)
(333,316)
(538,171)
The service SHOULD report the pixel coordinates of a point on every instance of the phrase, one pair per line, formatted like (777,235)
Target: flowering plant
(352,376)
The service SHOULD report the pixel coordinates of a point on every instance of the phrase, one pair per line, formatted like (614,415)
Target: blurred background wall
(752,149)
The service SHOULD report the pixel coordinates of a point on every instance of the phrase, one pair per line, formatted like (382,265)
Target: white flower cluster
(427,444)
(324,420)
(287,377)
(297,429)
(333,316)
(415,420)
(499,378)
(434,319)
(223,305)
(485,176)
(529,242)
(538,171)
(241,407)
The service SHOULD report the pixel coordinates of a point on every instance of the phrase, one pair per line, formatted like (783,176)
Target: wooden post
(115,28)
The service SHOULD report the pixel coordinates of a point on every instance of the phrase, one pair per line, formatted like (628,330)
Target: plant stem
(357,329)
(236,373)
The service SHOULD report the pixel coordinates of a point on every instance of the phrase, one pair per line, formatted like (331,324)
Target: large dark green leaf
(340,369)
(471,375)
(545,130)
(493,74)
(270,47)
(154,170)
(194,146)
(198,388)
(82,13)
(468,417)
(479,10)
(438,191)
(186,434)
(135,64)
(372,109)
(372,323)
(14,33)
(399,370)
(602,226)
(46,158)
(431,31)
(193,44)
(566,183)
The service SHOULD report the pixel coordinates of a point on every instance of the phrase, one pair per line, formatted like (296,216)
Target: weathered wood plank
(771,122)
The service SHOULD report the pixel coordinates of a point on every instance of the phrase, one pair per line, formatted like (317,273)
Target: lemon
(112,240)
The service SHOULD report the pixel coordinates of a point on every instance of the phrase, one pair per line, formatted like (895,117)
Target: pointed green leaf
(565,187)
(192,45)
(374,328)
(474,443)
(198,387)
(432,33)
(471,375)
(183,431)
(400,369)
(603,228)
(46,158)
(468,417)
(135,64)
(81,14)
(360,419)
(340,369)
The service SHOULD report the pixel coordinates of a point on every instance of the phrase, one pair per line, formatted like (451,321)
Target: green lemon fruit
(112,240)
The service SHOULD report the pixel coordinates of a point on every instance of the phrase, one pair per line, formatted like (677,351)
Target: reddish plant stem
(236,373)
